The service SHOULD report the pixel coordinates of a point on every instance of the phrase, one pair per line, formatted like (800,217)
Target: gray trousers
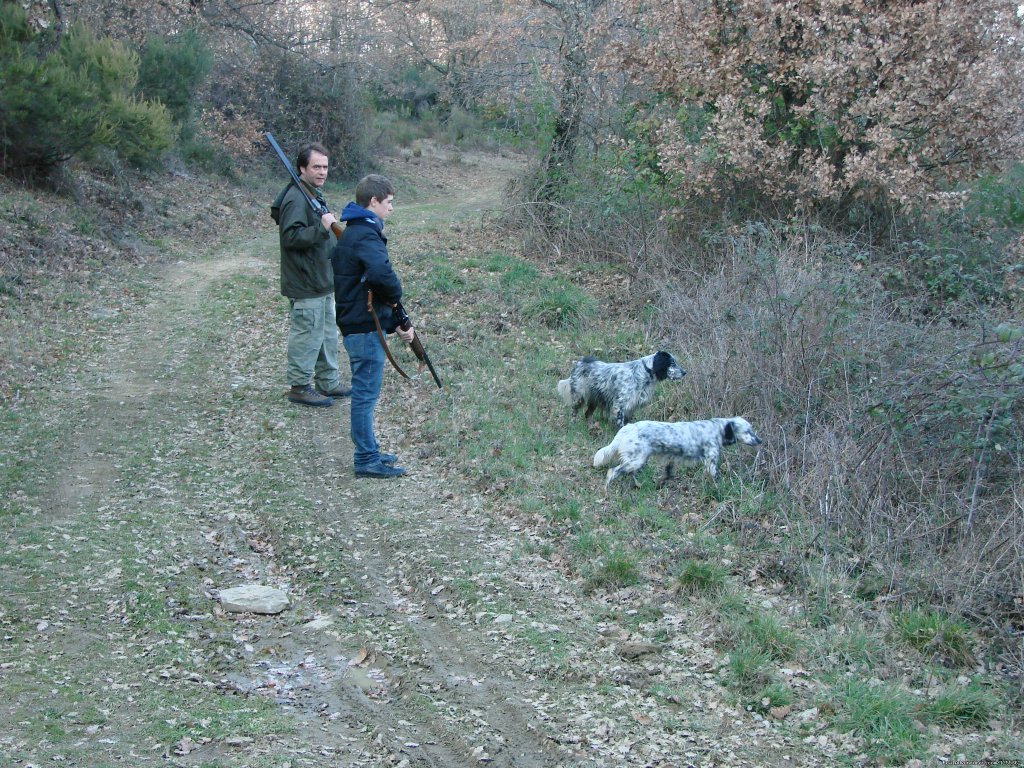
(313,343)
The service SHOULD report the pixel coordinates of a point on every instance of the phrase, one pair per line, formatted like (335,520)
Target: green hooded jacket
(306,271)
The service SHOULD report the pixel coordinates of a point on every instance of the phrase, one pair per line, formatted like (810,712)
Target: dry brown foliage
(821,100)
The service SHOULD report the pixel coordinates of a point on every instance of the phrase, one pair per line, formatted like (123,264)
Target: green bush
(559,304)
(749,671)
(171,70)
(72,100)
(1000,198)
(773,695)
(206,155)
(765,635)
(616,569)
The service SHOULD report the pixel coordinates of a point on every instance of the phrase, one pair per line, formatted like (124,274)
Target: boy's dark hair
(373,186)
(306,150)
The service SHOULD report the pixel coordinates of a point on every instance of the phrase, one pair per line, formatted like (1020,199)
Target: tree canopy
(822,100)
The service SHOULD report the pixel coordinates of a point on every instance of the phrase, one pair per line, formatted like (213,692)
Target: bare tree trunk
(575,17)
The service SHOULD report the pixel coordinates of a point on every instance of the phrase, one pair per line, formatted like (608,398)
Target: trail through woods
(424,628)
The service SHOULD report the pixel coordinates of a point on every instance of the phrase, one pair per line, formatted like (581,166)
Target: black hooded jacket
(361,263)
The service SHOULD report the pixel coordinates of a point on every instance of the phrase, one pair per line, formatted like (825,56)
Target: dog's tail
(565,391)
(606,455)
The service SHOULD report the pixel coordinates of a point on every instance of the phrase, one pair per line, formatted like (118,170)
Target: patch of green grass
(669,694)
(871,585)
(557,303)
(852,648)
(731,604)
(23,467)
(212,716)
(749,671)
(552,302)
(467,590)
(645,614)
(650,518)
(701,577)
(819,614)
(534,505)
(550,644)
(517,277)
(724,488)
(936,635)
(587,545)
(971,705)
(883,716)
(52,724)
(500,261)
(445,279)
(571,510)
(765,634)
(616,569)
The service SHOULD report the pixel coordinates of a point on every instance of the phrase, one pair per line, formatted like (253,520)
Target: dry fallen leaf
(365,656)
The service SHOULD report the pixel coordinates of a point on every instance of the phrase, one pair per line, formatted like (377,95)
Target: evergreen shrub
(71,100)
(171,71)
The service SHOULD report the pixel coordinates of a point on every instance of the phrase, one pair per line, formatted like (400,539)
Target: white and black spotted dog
(618,389)
(692,442)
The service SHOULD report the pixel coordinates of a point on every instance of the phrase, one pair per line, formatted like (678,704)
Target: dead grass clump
(895,437)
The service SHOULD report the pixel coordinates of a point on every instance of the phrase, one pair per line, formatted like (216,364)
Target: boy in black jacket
(361,264)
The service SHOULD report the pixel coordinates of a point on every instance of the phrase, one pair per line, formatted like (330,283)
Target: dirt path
(424,628)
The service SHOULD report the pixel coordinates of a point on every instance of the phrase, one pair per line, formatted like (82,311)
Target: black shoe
(304,395)
(379,469)
(339,392)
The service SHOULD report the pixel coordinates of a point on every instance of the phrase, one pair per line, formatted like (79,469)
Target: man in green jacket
(307,279)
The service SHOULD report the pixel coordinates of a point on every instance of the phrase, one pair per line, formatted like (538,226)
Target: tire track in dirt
(433,676)
(479,704)
(355,711)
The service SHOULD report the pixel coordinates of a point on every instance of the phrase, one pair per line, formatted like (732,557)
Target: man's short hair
(373,186)
(306,150)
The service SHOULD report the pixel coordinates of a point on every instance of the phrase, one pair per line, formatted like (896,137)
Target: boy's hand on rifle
(406,334)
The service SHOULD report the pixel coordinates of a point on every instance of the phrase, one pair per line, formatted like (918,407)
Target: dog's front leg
(711,464)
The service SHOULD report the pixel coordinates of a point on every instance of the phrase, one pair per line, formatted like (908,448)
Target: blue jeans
(366,358)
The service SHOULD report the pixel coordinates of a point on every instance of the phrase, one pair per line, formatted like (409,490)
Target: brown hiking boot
(304,395)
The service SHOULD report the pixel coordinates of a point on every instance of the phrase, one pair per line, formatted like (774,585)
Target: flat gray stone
(253,598)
